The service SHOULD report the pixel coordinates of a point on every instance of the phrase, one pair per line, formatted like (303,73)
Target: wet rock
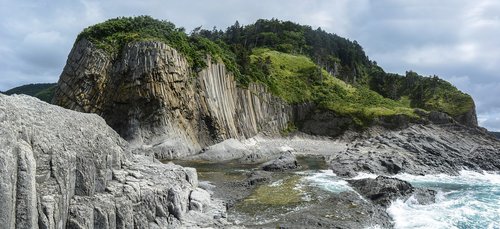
(419,150)
(425,196)
(286,161)
(258,177)
(384,190)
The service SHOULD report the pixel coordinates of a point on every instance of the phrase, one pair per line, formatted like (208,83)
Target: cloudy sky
(457,40)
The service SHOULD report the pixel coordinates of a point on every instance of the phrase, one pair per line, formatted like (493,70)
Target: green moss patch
(283,194)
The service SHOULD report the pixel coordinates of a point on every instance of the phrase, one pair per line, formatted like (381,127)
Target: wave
(470,200)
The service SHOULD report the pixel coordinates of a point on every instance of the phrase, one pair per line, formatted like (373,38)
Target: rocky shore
(69,169)
(65,169)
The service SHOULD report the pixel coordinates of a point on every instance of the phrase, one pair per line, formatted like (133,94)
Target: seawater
(469,200)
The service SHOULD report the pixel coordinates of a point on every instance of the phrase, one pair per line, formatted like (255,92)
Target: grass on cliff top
(297,79)
(114,34)
(448,99)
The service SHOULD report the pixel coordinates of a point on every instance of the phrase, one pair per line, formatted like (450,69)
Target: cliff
(150,96)
(62,168)
(171,94)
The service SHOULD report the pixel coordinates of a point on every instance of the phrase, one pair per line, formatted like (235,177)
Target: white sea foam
(470,200)
(362,175)
(327,180)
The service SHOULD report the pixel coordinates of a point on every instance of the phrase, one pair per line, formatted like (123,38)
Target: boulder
(199,200)
(286,161)
(384,190)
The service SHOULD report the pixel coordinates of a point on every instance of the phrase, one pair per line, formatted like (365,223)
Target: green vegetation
(429,93)
(341,58)
(290,128)
(112,35)
(297,79)
(42,91)
(297,63)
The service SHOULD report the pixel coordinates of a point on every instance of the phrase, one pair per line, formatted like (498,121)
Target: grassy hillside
(298,64)
(43,91)
(429,93)
(297,79)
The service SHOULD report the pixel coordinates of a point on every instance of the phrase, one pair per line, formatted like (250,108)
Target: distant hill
(42,91)
(497,134)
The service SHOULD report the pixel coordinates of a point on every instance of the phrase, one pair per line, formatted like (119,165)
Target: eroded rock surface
(61,168)
(419,150)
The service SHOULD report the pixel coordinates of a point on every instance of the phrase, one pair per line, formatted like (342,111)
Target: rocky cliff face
(469,118)
(151,97)
(62,168)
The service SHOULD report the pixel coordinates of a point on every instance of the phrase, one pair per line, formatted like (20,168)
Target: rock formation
(384,190)
(419,150)
(150,96)
(286,161)
(62,168)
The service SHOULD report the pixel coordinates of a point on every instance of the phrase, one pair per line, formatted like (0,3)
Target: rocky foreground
(65,169)
(62,168)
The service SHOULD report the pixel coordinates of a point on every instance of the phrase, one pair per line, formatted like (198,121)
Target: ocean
(470,200)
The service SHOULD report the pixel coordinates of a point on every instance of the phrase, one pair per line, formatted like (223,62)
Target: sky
(458,40)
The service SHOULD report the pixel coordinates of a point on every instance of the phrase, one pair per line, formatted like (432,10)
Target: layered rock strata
(419,150)
(151,97)
(61,168)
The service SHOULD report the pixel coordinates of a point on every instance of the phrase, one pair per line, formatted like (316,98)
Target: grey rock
(286,161)
(325,123)
(384,190)
(199,200)
(439,118)
(469,118)
(420,149)
(61,168)
(425,196)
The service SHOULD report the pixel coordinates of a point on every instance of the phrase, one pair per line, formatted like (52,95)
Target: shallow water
(470,200)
